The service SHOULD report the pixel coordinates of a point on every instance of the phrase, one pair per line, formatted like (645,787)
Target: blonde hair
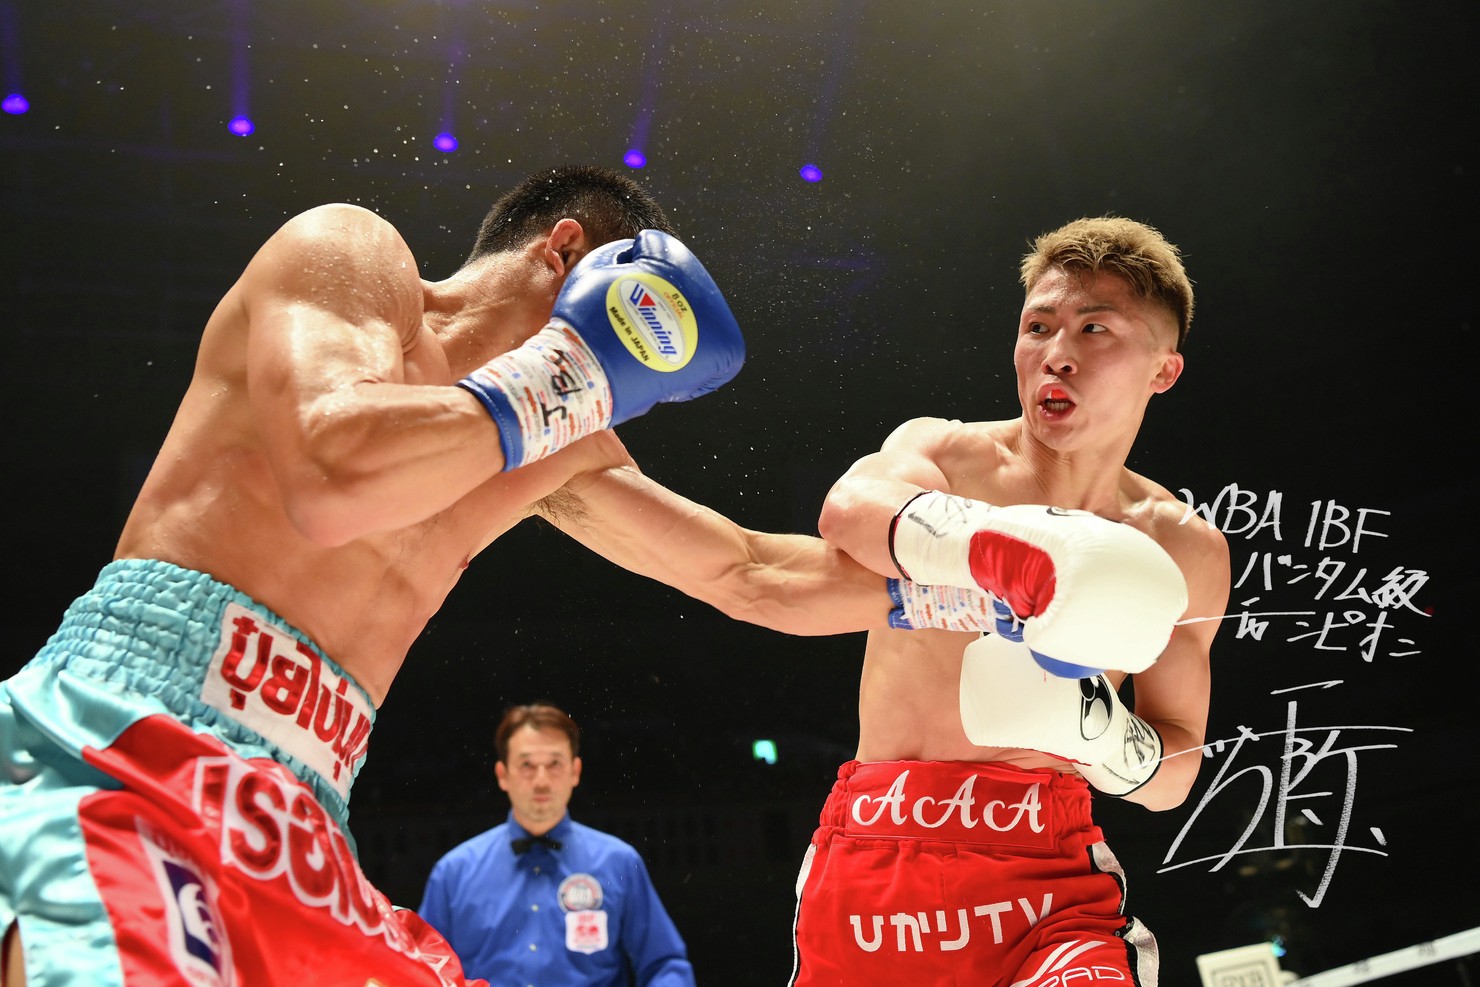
(1136,252)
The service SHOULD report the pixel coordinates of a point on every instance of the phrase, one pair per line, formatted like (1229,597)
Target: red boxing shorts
(954,872)
(216,870)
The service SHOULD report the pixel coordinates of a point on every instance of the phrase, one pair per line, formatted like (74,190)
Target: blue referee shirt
(581,916)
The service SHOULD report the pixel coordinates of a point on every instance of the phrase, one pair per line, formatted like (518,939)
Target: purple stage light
(810,173)
(445,142)
(634,158)
(16,104)
(241,126)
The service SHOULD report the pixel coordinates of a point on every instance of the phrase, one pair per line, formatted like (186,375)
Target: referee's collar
(559,833)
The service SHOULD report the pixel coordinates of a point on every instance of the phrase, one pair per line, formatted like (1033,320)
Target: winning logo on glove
(654,320)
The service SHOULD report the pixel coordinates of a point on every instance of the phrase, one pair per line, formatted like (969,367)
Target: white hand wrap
(1008,701)
(544,395)
(946,608)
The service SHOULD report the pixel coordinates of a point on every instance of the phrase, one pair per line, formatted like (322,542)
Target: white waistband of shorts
(206,650)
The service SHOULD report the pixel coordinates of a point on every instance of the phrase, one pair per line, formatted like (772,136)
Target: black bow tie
(523,844)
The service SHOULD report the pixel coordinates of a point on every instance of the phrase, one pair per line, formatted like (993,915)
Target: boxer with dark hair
(958,846)
(176,761)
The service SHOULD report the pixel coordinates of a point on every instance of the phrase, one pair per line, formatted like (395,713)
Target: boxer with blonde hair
(958,846)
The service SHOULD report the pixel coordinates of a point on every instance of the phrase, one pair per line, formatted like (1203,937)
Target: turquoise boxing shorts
(175,770)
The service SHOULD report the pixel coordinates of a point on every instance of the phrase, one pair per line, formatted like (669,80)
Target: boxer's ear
(565,246)
(1167,373)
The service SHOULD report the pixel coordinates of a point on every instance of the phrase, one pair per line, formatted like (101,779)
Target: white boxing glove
(1091,593)
(1007,700)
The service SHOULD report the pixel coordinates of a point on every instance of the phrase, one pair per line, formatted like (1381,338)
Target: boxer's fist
(655,320)
(1090,593)
(1007,700)
(637,322)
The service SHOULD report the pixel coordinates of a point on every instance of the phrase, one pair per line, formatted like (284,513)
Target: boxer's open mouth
(1057,400)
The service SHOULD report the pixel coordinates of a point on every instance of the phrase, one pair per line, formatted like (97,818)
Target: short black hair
(608,205)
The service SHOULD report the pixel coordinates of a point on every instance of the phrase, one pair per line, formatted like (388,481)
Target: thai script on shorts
(273,829)
(267,679)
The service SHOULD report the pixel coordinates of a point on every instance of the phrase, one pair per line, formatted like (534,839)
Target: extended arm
(793,583)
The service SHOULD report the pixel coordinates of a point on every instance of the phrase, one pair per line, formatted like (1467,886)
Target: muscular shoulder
(337,220)
(968,454)
(340,231)
(337,255)
(948,435)
(1186,535)
(923,431)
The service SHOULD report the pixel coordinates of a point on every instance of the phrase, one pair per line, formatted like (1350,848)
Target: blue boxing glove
(637,322)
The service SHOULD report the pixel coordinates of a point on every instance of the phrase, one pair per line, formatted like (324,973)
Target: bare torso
(212,502)
(909,691)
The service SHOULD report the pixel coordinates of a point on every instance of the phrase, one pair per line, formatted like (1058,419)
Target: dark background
(1313,160)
